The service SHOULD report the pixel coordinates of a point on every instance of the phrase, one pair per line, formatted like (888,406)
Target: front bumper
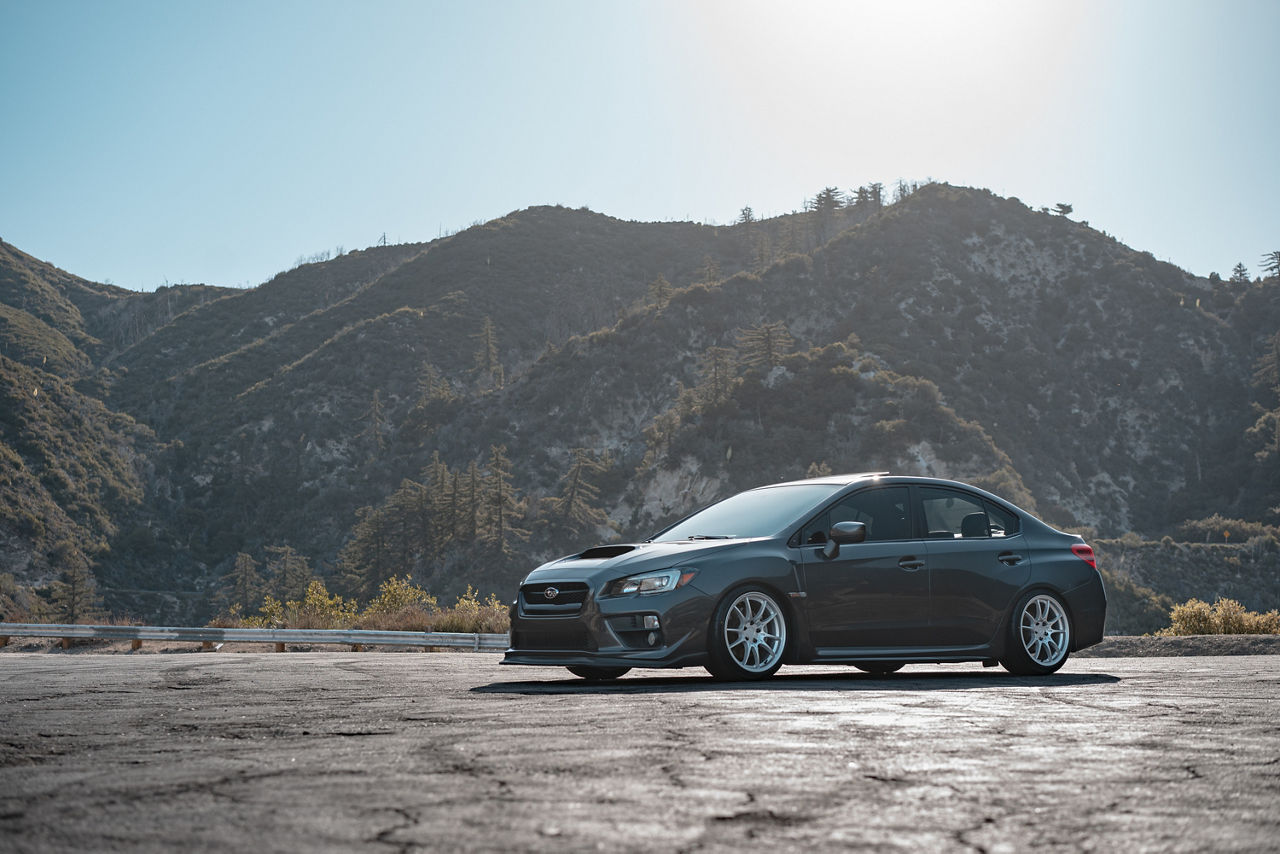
(613,631)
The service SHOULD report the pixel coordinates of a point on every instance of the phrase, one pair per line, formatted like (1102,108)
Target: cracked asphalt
(453,752)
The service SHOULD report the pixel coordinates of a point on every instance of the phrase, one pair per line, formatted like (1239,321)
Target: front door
(874,594)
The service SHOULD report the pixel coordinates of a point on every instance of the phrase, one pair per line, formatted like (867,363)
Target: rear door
(978,561)
(873,594)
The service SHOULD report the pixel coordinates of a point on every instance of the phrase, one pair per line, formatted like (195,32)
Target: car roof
(834,479)
(848,480)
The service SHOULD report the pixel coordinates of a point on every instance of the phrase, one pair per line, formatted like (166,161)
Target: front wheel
(748,636)
(598,674)
(1039,635)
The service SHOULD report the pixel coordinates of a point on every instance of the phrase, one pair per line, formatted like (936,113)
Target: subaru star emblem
(551,592)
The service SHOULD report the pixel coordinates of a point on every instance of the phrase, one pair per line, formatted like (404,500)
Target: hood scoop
(602,552)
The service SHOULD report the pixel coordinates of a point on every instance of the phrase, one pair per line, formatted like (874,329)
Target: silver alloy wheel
(755,632)
(1044,630)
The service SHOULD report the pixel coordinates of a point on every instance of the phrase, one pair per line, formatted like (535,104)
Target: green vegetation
(399,606)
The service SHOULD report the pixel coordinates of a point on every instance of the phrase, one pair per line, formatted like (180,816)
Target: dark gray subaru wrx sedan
(868,570)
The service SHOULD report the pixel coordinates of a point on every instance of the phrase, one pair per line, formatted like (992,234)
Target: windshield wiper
(710,537)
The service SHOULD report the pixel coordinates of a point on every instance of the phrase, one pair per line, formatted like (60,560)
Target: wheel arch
(1032,587)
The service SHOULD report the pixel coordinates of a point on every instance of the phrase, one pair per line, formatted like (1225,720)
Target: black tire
(598,674)
(748,636)
(879,668)
(1039,638)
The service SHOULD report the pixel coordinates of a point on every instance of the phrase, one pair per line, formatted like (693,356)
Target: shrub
(271,615)
(400,606)
(1224,617)
(395,595)
(472,615)
(318,610)
(412,618)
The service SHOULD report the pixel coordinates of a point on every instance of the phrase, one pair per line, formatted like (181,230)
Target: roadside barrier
(211,638)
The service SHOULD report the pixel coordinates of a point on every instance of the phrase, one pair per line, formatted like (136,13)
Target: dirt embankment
(1140,646)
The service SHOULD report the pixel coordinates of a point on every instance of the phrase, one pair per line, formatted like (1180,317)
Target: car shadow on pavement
(852,680)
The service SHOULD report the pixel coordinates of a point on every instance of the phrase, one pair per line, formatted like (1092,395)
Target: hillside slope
(953,333)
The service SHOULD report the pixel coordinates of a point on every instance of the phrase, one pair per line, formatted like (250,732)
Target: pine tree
(1240,274)
(375,428)
(488,368)
(290,572)
(764,345)
(363,558)
(75,593)
(710,274)
(1266,379)
(876,194)
(1271,263)
(763,253)
(824,208)
(575,511)
(660,291)
(242,586)
(441,489)
(433,387)
(501,510)
(719,376)
(469,498)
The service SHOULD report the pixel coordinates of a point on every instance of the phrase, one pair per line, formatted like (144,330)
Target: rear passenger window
(1003,523)
(949,514)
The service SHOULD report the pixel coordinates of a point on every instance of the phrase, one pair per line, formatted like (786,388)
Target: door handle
(910,563)
(1009,558)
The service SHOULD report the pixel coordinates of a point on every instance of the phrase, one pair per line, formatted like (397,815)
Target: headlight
(651,582)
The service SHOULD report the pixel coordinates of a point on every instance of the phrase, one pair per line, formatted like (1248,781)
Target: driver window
(883,511)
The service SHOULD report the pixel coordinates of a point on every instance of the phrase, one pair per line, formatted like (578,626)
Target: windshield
(758,513)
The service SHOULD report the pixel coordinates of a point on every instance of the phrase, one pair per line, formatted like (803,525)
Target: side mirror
(843,533)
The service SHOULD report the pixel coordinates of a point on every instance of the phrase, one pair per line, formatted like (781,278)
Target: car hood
(616,561)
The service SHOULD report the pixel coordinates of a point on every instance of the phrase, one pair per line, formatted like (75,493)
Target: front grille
(565,598)
(572,636)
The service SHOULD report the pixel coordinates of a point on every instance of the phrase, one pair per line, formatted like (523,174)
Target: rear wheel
(598,674)
(1039,635)
(878,668)
(748,636)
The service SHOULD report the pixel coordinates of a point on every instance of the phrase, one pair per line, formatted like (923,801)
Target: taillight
(1085,553)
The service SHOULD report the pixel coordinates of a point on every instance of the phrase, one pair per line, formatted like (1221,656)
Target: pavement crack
(383,837)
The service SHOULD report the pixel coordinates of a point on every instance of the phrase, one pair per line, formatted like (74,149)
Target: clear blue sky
(217,142)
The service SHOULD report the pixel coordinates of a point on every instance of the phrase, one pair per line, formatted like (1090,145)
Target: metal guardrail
(357,639)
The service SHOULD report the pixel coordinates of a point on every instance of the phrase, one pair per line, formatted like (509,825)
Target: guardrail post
(4,640)
(135,644)
(279,647)
(66,643)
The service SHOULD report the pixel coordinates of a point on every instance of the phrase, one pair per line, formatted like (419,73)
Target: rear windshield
(758,513)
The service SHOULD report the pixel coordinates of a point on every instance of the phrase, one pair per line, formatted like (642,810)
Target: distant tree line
(426,522)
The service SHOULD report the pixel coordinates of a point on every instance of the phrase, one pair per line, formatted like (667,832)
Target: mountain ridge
(953,332)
